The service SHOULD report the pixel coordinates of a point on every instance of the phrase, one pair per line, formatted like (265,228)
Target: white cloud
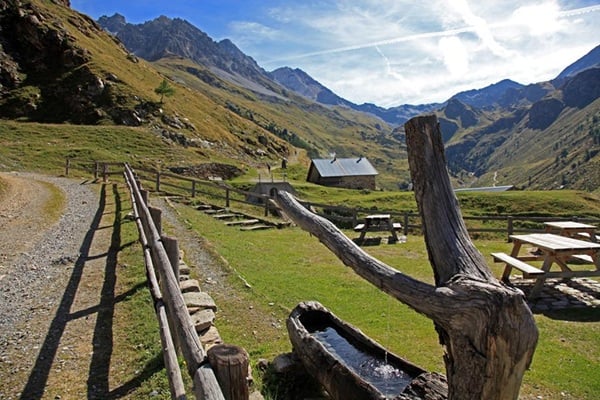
(539,19)
(397,51)
(253,31)
(456,57)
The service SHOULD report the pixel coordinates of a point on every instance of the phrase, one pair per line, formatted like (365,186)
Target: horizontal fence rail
(177,330)
(221,194)
(170,306)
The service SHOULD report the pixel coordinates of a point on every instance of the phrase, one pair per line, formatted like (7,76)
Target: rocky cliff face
(164,37)
(582,89)
(544,112)
(44,74)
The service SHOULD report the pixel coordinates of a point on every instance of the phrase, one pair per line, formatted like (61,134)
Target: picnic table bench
(551,250)
(572,229)
(378,223)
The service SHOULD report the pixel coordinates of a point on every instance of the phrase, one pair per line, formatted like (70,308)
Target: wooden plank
(213,211)
(518,264)
(555,242)
(572,274)
(588,236)
(170,354)
(359,227)
(584,258)
(378,228)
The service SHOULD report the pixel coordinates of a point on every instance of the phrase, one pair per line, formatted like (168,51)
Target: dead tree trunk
(486,328)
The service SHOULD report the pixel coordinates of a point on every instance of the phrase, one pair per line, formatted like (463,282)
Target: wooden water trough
(350,365)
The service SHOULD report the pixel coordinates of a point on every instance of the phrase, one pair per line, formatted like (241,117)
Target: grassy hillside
(506,148)
(220,120)
(565,155)
(314,128)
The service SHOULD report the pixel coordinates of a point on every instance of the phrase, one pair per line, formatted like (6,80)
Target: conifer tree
(164,89)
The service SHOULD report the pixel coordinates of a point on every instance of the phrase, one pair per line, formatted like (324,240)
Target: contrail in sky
(427,35)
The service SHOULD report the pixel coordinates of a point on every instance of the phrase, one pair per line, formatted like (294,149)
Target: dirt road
(57,284)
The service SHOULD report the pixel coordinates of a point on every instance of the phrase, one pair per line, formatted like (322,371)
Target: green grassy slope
(222,121)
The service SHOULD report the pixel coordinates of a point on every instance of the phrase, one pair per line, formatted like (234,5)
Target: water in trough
(388,379)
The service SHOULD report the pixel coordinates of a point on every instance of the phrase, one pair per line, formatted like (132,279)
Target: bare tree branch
(421,296)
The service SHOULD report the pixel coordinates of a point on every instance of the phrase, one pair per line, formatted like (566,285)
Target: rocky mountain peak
(590,60)
(457,110)
(113,24)
(164,36)
(298,81)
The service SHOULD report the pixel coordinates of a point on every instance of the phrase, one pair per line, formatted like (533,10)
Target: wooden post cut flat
(156,214)
(230,364)
(172,249)
(144,196)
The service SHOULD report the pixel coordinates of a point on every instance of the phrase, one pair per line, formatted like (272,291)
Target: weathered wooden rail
(177,329)
(343,217)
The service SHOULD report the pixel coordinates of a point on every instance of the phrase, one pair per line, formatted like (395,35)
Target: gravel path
(53,278)
(36,263)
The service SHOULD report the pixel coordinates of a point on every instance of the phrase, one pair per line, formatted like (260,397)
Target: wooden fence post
(230,364)
(193,189)
(405,223)
(158,181)
(67,165)
(226,197)
(144,195)
(509,228)
(172,248)
(104,172)
(156,214)
(96,169)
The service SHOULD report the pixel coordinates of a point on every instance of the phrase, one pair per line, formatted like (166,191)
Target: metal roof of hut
(331,167)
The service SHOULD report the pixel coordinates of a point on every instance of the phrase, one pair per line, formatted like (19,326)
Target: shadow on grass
(99,372)
(565,299)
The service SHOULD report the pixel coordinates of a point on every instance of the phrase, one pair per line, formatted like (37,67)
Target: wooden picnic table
(572,229)
(378,222)
(551,250)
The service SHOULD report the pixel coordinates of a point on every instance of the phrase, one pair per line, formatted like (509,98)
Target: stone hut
(269,189)
(350,173)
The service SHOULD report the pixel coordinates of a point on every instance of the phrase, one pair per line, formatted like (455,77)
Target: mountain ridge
(504,93)
(228,108)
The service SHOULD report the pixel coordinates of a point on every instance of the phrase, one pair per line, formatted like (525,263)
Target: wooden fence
(221,194)
(170,306)
(175,323)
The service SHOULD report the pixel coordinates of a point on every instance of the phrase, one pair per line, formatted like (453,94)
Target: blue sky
(390,52)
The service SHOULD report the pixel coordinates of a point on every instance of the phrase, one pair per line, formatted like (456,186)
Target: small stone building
(350,173)
(268,189)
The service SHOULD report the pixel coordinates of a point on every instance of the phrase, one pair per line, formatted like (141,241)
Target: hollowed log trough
(350,365)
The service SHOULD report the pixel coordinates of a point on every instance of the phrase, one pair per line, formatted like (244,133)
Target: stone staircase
(235,219)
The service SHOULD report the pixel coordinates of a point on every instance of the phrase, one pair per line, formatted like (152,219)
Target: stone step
(243,222)
(256,227)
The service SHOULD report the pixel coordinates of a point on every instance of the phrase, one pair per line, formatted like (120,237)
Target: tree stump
(230,364)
